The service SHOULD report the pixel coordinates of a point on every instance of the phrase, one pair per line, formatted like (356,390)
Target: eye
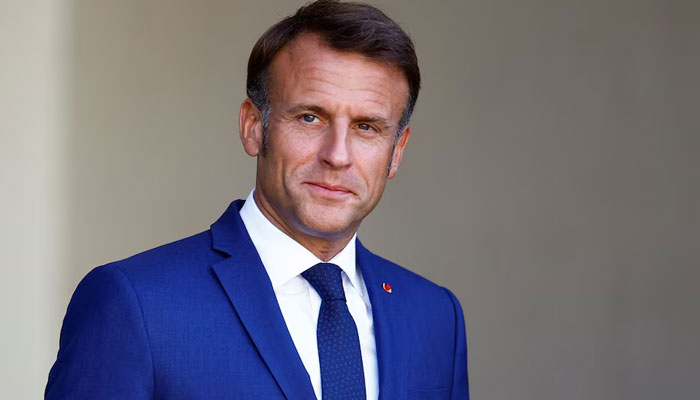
(364,127)
(309,118)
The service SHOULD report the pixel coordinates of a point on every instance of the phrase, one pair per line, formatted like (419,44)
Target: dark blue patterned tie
(342,377)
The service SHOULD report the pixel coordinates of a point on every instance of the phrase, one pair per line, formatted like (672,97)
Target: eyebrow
(306,107)
(376,120)
(368,119)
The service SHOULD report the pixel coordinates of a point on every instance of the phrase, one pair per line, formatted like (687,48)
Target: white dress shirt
(284,260)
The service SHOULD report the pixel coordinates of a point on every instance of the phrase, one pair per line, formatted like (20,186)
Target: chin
(331,225)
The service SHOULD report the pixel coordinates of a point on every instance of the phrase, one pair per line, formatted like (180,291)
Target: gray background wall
(552,179)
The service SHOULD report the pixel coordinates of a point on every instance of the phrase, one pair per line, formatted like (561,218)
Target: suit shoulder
(103,343)
(172,258)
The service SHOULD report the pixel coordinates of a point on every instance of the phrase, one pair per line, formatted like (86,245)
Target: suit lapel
(389,336)
(248,287)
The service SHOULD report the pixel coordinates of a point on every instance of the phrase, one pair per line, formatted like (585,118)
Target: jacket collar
(388,333)
(248,287)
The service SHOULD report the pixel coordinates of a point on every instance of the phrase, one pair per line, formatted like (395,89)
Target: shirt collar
(283,257)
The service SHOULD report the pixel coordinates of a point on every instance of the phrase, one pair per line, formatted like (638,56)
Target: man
(279,299)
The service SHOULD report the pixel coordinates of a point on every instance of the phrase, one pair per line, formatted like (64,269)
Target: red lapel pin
(386,287)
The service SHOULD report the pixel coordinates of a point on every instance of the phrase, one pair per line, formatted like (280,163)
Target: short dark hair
(344,26)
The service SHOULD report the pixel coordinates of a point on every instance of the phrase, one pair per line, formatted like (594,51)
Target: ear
(398,151)
(250,126)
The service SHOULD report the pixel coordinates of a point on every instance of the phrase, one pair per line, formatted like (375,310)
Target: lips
(330,188)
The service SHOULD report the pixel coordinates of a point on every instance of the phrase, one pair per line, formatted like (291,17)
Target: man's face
(334,117)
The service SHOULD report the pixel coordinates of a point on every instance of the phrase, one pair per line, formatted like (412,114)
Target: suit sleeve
(103,351)
(460,382)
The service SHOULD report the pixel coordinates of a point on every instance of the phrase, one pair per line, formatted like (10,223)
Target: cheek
(373,163)
(293,156)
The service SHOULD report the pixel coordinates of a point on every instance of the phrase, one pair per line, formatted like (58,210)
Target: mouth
(329,190)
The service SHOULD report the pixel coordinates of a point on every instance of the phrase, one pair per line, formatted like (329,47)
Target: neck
(325,248)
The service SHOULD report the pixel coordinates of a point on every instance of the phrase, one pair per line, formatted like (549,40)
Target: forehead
(308,70)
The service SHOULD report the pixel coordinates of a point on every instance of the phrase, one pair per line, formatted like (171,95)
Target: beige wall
(34,104)
(552,179)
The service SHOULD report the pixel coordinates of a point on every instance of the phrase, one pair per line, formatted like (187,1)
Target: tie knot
(326,280)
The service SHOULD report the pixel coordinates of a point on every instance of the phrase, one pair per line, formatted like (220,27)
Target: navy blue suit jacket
(198,319)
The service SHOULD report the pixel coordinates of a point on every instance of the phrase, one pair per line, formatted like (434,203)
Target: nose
(335,151)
